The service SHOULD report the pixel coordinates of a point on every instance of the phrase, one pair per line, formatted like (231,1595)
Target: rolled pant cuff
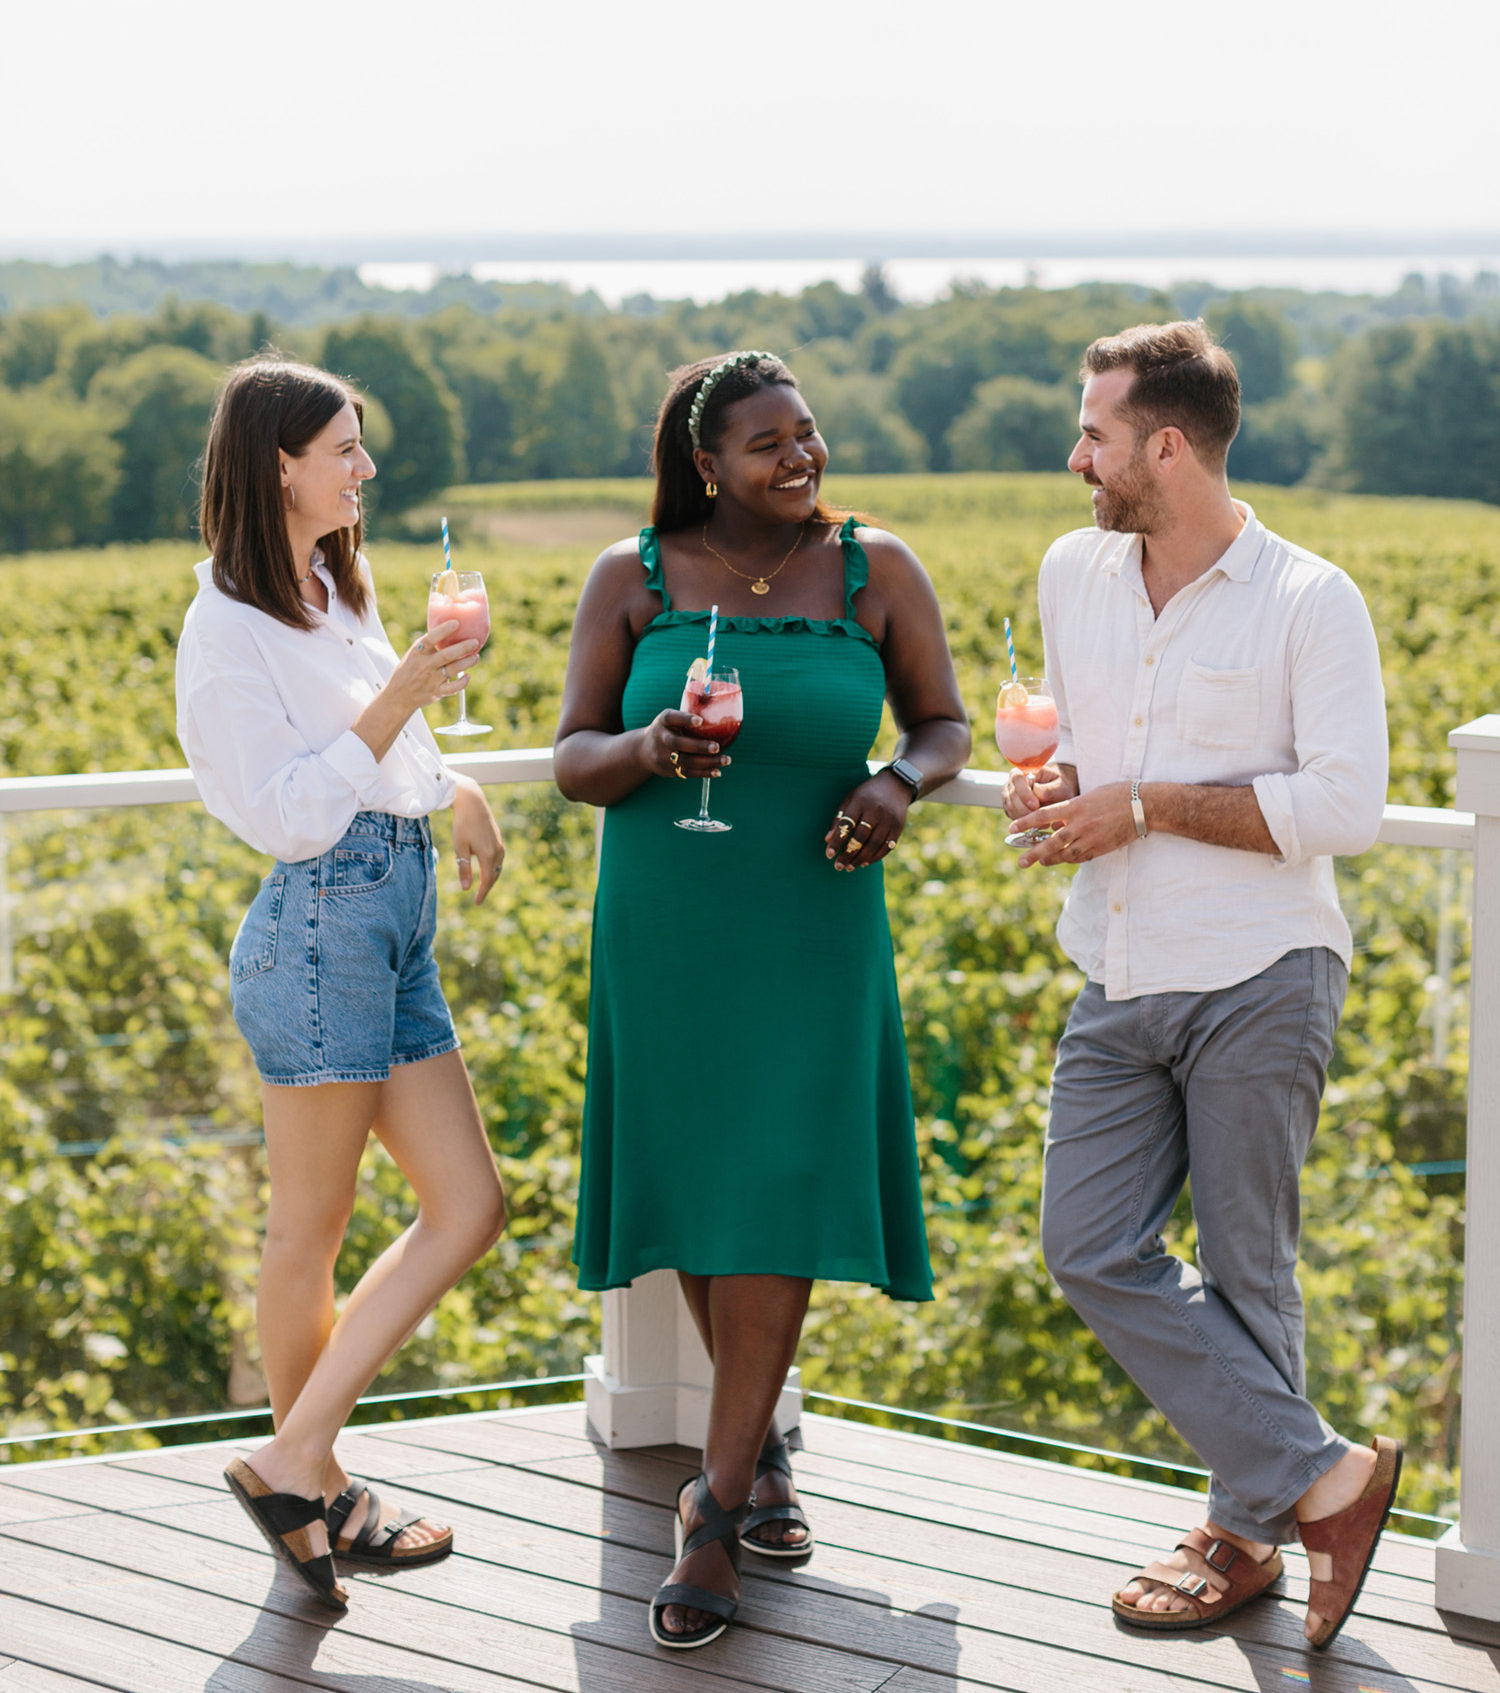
(1280,1528)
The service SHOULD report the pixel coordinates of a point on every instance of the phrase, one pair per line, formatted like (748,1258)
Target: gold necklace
(758,584)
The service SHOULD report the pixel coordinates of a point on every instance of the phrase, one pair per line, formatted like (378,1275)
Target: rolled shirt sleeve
(256,771)
(265,715)
(1332,803)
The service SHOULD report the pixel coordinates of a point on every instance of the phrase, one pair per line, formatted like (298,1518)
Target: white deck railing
(651,1382)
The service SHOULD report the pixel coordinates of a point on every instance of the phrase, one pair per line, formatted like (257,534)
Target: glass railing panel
(131,1157)
(986,993)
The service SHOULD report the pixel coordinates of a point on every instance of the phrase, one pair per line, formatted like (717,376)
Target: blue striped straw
(713,629)
(448,556)
(1010,647)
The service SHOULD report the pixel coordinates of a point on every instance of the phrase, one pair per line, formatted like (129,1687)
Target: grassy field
(127,1284)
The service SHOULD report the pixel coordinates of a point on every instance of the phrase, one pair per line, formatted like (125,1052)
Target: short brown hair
(1183,379)
(269,404)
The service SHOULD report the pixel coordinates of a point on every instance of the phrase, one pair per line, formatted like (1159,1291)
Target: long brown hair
(269,405)
(680,501)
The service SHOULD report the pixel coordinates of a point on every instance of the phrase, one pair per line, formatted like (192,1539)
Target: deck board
(941,1568)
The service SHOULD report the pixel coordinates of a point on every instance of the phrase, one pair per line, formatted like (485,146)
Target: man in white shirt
(1222,735)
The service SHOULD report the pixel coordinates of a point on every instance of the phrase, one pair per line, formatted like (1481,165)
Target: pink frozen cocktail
(1026,732)
(458,596)
(1026,725)
(470,608)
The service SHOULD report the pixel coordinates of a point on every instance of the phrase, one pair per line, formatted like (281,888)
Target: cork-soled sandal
(376,1547)
(1341,1548)
(1219,1580)
(284,1518)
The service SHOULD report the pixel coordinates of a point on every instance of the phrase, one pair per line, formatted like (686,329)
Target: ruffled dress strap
(651,562)
(856,565)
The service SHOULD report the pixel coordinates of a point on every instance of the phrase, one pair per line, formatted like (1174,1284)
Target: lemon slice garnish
(698,673)
(448,585)
(1013,695)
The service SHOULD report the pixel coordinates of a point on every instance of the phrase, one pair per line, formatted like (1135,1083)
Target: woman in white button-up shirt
(303,728)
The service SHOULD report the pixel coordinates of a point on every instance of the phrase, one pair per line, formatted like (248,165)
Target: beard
(1130,504)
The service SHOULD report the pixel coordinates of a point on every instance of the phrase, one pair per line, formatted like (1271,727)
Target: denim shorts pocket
(360,869)
(254,948)
(1218,708)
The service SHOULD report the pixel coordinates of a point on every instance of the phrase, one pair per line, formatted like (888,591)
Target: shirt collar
(1237,562)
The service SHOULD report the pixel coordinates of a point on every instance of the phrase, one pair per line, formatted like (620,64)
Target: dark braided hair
(681,502)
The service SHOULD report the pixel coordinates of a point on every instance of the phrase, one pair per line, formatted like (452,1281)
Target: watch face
(908,773)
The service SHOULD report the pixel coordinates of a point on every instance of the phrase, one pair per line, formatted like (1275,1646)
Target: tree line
(102,419)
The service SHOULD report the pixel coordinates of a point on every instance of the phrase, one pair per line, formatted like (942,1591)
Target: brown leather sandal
(1343,1545)
(1220,1580)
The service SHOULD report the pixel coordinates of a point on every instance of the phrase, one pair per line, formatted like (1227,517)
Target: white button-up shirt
(1263,672)
(264,714)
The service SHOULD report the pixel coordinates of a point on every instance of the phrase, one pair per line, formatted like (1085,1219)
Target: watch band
(905,771)
(1137,810)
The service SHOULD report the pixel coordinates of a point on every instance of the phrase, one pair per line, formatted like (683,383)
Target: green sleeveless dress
(748,1110)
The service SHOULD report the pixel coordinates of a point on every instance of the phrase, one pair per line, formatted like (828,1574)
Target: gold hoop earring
(293,492)
(711,489)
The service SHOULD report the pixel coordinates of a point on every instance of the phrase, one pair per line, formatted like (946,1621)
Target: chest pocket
(1218,708)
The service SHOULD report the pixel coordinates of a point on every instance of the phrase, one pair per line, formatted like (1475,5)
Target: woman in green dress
(748,1118)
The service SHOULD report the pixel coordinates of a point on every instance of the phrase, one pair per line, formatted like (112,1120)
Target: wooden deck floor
(941,1569)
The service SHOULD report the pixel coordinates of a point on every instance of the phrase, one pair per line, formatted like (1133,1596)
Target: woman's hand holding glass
(669,747)
(433,666)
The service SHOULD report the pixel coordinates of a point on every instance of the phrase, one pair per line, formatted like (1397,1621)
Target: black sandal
(718,1524)
(375,1546)
(283,1518)
(774,1458)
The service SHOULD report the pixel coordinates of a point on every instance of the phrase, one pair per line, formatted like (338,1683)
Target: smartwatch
(905,771)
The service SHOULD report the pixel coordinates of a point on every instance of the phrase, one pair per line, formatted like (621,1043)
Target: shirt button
(1139,721)
(1150,658)
(1118,908)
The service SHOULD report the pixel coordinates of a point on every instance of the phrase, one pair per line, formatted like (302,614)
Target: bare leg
(426,1117)
(754,1323)
(771,1489)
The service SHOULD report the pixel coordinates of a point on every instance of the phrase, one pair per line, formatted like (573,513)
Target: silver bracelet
(1137,810)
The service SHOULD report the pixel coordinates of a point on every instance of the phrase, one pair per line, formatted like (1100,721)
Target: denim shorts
(331,975)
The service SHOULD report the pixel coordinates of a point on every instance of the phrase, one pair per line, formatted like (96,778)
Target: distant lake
(615,280)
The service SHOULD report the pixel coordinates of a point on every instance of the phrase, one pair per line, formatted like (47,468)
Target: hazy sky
(207,119)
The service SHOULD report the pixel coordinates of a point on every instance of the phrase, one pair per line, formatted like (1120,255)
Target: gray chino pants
(1225,1085)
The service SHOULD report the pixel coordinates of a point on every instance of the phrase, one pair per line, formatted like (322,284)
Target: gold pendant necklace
(758,584)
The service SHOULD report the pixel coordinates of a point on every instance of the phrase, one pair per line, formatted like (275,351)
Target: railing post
(1468,1555)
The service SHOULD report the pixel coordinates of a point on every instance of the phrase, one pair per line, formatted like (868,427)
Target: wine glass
(458,595)
(716,698)
(1026,733)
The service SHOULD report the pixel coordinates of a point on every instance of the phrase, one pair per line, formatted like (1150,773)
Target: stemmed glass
(1026,733)
(458,595)
(716,698)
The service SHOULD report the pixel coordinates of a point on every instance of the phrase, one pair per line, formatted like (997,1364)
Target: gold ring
(864,823)
(844,830)
(674,758)
(682,773)
(854,846)
(843,817)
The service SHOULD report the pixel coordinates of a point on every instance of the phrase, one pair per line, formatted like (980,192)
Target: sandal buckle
(1211,1556)
(1192,1585)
